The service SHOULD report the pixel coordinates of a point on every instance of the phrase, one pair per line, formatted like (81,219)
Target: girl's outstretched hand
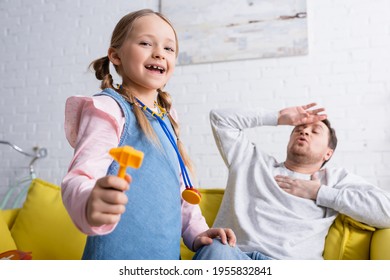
(300,115)
(107,200)
(226,235)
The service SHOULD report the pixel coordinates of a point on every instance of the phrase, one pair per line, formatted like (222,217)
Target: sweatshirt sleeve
(228,125)
(92,126)
(351,195)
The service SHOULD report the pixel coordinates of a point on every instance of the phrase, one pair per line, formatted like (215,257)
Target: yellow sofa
(43,227)
(347,239)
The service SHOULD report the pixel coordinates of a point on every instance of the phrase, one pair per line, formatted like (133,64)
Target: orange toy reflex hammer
(126,156)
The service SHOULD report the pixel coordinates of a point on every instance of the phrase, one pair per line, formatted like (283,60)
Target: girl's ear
(114,56)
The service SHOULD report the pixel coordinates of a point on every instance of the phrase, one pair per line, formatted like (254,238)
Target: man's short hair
(332,143)
(332,135)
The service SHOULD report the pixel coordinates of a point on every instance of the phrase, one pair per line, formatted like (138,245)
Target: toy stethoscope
(190,194)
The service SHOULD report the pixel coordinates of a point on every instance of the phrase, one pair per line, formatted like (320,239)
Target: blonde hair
(101,67)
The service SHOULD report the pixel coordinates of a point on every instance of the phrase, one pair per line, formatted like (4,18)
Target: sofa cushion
(380,245)
(6,241)
(348,240)
(44,227)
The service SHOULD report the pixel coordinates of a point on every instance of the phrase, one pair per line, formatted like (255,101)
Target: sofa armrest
(380,245)
(9,216)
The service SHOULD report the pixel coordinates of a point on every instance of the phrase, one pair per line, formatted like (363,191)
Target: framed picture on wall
(224,30)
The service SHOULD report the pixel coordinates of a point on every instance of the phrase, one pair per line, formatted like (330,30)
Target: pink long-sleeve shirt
(92,125)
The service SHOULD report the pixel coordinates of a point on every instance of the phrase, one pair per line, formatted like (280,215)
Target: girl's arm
(93,126)
(193,223)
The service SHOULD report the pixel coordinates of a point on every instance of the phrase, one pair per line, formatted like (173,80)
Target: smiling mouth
(155,68)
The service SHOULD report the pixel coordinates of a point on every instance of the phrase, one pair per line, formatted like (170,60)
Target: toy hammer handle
(122,171)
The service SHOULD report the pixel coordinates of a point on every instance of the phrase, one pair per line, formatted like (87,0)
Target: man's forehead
(318,124)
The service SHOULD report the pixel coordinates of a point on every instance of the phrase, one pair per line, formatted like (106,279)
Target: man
(283,210)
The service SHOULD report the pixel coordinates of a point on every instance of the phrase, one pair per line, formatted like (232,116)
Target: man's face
(309,143)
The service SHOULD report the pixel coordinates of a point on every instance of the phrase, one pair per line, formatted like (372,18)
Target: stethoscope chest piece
(191,195)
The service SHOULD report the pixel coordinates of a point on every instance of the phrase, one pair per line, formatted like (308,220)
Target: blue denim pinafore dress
(150,228)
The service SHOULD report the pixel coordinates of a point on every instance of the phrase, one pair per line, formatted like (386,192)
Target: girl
(141,216)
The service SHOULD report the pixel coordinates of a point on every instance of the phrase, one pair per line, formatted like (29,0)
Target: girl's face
(147,57)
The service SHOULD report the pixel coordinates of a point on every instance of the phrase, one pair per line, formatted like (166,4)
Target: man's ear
(328,154)
(114,56)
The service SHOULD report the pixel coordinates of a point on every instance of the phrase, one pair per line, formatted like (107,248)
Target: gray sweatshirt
(269,220)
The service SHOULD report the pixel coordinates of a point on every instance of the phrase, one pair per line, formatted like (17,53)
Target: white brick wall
(46,47)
